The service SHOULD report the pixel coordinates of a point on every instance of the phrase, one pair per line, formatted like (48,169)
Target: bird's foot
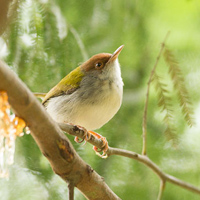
(86,135)
(104,147)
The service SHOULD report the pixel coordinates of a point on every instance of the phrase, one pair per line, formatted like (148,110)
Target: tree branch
(52,142)
(161,190)
(144,124)
(74,130)
(71,191)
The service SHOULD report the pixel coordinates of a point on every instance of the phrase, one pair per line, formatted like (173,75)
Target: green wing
(67,85)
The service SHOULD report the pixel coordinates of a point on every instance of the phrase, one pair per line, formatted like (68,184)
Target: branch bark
(52,142)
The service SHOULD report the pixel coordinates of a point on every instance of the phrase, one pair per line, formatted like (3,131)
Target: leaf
(179,86)
(164,102)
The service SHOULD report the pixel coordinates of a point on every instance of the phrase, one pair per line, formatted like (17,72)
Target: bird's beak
(116,54)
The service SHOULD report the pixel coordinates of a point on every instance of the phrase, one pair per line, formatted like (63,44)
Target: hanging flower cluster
(10,127)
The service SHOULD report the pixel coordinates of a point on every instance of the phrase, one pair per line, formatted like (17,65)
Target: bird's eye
(99,65)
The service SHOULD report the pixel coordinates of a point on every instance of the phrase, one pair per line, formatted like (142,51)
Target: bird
(90,95)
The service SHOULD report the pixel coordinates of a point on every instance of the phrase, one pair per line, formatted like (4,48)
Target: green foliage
(179,86)
(165,103)
(48,39)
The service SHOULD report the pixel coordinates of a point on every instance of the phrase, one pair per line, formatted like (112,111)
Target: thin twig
(74,130)
(181,183)
(71,191)
(79,42)
(161,190)
(144,124)
(149,163)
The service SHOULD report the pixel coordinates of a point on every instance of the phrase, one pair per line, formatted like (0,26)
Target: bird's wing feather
(39,95)
(67,85)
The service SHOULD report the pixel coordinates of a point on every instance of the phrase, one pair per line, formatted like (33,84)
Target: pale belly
(88,114)
(94,116)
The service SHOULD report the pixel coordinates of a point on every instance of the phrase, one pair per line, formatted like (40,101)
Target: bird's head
(103,65)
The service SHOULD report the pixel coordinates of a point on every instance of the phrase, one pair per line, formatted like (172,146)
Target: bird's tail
(40,95)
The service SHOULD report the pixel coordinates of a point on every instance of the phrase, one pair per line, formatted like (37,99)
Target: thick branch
(52,142)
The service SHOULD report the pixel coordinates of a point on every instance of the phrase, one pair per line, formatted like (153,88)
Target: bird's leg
(104,147)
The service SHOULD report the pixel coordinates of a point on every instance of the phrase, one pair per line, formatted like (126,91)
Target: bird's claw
(103,149)
(86,135)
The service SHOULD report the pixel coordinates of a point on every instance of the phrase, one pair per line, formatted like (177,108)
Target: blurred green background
(47,39)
